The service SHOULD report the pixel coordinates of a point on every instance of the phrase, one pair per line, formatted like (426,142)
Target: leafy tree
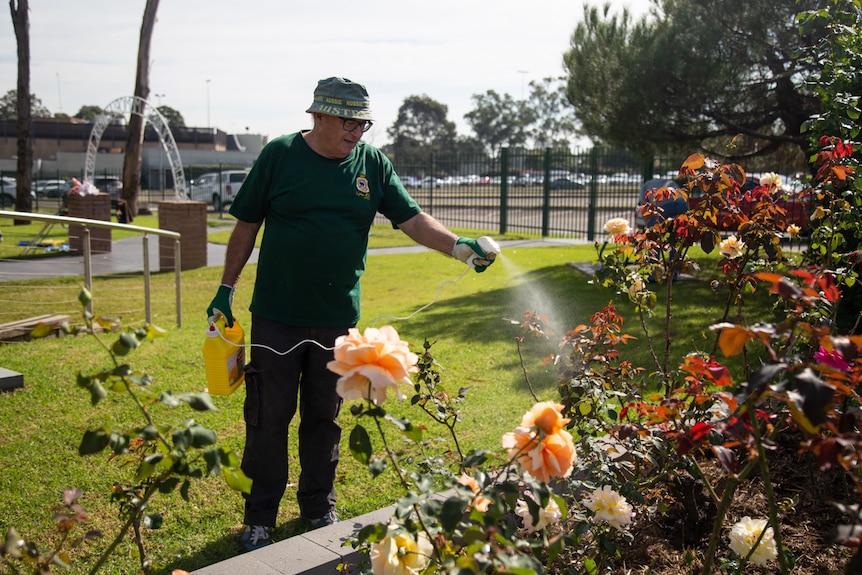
(499,120)
(135,139)
(9,106)
(838,84)
(554,123)
(174,118)
(693,74)
(90,113)
(421,128)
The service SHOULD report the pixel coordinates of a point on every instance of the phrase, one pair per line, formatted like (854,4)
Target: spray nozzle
(491,249)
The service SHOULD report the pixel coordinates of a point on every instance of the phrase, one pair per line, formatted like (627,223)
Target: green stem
(702,476)
(649,338)
(770,494)
(390,455)
(524,369)
(724,505)
(416,509)
(134,516)
(110,550)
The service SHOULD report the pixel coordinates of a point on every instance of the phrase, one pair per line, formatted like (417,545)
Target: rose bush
(579,474)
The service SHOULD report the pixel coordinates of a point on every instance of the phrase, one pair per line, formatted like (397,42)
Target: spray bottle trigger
(489,246)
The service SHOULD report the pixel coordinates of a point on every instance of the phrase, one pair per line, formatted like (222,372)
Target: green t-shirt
(317,213)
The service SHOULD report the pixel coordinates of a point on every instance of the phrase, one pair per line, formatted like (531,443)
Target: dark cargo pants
(272,383)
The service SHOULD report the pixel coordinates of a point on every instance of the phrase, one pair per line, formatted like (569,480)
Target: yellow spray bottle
(224,356)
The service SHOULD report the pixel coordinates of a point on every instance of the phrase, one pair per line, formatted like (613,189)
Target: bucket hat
(341,97)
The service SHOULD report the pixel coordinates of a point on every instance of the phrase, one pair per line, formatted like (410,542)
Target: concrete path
(127,257)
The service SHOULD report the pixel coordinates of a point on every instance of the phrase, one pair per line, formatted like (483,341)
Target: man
(318,192)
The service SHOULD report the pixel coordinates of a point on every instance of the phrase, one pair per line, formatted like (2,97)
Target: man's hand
(478,253)
(221,304)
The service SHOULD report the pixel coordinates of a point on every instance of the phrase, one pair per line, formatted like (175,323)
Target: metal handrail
(87,224)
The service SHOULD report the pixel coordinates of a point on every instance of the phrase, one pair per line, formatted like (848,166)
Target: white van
(217,188)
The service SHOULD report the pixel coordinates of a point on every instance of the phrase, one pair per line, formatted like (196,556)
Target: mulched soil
(675,542)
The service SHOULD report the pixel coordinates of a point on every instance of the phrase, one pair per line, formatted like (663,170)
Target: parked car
(7,198)
(8,185)
(51,188)
(796,210)
(565,184)
(8,190)
(409,181)
(109,185)
(217,188)
(430,181)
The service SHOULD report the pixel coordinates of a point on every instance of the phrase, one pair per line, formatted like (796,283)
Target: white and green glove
(221,304)
(477,253)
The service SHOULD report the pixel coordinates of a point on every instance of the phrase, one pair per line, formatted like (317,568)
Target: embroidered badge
(362,187)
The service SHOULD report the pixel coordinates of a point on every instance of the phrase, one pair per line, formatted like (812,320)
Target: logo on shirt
(362,187)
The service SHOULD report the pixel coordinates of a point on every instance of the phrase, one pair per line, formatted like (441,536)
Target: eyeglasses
(349,124)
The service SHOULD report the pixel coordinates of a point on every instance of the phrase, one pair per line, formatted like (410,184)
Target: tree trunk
(137,123)
(24,173)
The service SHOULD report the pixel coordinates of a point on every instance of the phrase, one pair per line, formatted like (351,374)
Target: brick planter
(190,220)
(91,207)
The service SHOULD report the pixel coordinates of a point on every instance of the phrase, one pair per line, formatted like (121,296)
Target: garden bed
(676,541)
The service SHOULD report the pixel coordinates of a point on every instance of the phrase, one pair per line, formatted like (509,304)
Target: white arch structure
(122,107)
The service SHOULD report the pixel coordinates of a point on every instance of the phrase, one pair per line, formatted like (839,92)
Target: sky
(252,65)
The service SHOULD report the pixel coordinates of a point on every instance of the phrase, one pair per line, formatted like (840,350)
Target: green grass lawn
(463,315)
(382,236)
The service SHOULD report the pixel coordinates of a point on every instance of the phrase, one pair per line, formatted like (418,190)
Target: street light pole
(522,73)
(161,155)
(208,102)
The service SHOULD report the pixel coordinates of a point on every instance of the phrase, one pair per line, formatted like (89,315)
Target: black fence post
(546,195)
(594,193)
(432,171)
(504,189)
(648,168)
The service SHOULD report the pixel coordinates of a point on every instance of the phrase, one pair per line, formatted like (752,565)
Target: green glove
(478,253)
(221,304)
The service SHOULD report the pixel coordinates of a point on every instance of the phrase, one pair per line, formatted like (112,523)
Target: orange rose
(547,416)
(542,447)
(369,363)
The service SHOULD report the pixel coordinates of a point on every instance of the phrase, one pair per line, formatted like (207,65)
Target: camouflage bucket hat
(341,97)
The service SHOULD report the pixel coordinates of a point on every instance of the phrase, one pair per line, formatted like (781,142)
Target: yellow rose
(731,247)
(746,532)
(771,179)
(401,554)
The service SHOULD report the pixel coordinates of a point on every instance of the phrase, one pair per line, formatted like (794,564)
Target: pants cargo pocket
(251,409)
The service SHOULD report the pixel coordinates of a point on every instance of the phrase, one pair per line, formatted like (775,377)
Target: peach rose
(371,362)
(480,502)
(617,227)
(542,447)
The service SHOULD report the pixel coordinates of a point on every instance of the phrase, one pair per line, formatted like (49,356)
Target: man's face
(337,140)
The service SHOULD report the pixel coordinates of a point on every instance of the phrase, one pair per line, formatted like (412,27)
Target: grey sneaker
(254,537)
(328,519)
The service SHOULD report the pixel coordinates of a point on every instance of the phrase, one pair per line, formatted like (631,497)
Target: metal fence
(548,192)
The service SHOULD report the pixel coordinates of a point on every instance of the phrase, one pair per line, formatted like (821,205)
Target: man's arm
(239,248)
(426,230)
